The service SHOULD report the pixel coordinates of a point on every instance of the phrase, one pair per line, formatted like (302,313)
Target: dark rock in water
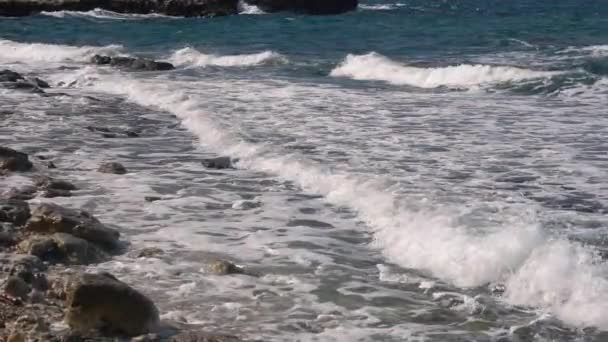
(219,163)
(14,211)
(133,64)
(27,267)
(114,168)
(25,193)
(203,337)
(306,6)
(46,182)
(150,252)
(10,76)
(62,248)
(51,165)
(52,193)
(7,239)
(186,8)
(40,83)
(101,302)
(132,134)
(152,198)
(51,218)
(223,267)
(16,287)
(12,160)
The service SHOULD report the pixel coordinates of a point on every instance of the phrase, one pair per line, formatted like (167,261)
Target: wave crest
(375,67)
(17,52)
(192,57)
(99,13)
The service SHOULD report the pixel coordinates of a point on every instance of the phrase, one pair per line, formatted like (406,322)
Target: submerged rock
(306,6)
(45,183)
(51,218)
(132,64)
(223,267)
(101,302)
(113,168)
(10,76)
(219,163)
(11,160)
(13,211)
(23,194)
(150,252)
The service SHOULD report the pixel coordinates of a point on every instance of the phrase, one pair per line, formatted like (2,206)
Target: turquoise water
(412,171)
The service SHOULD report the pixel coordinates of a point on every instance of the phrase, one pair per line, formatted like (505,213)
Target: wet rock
(16,336)
(223,267)
(51,165)
(25,193)
(14,211)
(39,83)
(246,205)
(150,252)
(10,76)
(51,218)
(152,198)
(113,168)
(21,265)
(132,64)
(52,193)
(132,134)
(44,247)
(46,182)
(101,302)
(203,337)
(16,288)
(77,251)
(11,160)
(7,239)
(219,163)
(62,248)
(306,6)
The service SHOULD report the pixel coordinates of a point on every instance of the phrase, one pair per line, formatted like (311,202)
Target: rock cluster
(41,281)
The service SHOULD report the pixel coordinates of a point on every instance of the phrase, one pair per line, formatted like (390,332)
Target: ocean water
(412,171)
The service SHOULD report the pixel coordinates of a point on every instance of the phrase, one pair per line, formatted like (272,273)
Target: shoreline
(47,293)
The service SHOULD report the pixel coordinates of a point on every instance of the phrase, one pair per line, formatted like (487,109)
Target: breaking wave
(192,57)
(375,67)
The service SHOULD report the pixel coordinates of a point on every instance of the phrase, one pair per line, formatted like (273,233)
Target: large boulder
(306,6)
(51,218)
(102,302)
(11,160)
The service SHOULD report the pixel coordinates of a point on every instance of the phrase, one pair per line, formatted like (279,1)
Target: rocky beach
(303,171)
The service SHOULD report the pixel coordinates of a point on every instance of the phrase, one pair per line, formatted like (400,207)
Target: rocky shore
(46,294)
(185,8)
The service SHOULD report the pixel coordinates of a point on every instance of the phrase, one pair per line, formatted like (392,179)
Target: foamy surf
(194,58)
(381,7)
(245,8)
(99,13)
(521,255)
(36,52)
(375,67)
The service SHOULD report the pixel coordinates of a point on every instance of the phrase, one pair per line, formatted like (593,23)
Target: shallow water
(416,170)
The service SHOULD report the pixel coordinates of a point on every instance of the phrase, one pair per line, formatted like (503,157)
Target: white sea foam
(36,52)
(562,277)
(245,8)
(381,7)
(375,67)
(99,13)
(593,50)
(192,57)
(426,240)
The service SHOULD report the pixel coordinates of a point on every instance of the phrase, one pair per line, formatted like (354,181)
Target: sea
(414,170)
